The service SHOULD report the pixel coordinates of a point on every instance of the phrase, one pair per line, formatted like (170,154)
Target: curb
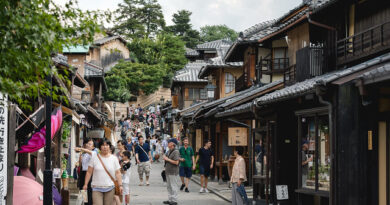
(212,190)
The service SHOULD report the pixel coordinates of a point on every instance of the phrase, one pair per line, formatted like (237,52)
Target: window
(229,83)
(193,94)
(203,94)
(315,152)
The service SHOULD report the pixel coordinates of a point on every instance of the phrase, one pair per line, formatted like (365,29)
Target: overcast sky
(237,14)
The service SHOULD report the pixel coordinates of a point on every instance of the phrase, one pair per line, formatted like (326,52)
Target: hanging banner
(3,146)
(238,136)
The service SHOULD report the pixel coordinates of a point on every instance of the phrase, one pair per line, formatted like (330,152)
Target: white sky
(236,14)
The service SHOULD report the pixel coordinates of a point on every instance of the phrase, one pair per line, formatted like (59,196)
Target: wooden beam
(11,153)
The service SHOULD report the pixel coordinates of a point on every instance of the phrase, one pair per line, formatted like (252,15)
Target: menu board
(238,136)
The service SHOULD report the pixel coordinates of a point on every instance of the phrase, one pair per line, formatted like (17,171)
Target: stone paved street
(156,193)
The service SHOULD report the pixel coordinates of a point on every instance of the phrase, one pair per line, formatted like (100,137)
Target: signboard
(198,139)
(370,140)
(238,136)
(281,192)
(3,146)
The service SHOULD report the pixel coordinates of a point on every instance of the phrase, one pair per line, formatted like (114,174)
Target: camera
(126,166)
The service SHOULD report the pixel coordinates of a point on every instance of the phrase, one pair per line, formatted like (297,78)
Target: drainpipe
(320,91)
(250,148)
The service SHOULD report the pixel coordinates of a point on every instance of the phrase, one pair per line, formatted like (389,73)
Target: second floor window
(197,94)
(229,83)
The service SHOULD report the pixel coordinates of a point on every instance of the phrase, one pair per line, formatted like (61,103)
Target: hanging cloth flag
(30,123)
(37,140)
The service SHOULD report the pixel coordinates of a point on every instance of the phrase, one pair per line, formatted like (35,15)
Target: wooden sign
(370,140)
(198,139)
(3,147)
(238,136)
(281,192)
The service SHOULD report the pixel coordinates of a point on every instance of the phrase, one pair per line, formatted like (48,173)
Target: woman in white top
(103,188)
(85,157)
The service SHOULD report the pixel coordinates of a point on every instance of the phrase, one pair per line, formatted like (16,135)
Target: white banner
(3,146)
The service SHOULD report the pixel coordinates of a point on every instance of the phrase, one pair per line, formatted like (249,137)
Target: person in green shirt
(187,164)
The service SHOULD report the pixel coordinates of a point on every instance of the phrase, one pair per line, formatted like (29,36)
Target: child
(125,164)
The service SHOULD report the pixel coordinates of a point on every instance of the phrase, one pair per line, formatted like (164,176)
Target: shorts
(185,172)
(126,188)
(204,170)
(144,167)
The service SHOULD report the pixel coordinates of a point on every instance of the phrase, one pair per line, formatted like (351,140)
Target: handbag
(117,187)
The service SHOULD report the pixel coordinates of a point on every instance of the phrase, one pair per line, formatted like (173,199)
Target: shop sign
(3,146)
(281,192)
(238,136)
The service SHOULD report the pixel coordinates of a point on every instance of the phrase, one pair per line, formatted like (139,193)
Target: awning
(96,133)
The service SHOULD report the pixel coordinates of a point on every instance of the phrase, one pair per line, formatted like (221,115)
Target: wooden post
(11,153)
(100,98)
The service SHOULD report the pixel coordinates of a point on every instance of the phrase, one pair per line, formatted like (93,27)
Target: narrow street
(156,193)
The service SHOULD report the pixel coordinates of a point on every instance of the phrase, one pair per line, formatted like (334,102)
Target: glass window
(193,94)
(203,94)
(315,153)
(229,82)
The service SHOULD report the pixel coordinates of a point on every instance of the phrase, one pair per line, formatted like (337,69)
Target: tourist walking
(144,159)
(104,169)
(171,171)
(126,173)
(187,164)
(238,177)
(85,157)
(206,159)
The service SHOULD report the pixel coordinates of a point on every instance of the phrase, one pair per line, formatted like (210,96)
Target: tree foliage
(139,78)
(216,32)
(117,91)
(183,28)
(30,32)
(139,18)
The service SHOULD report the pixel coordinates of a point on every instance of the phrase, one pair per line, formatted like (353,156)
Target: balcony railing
(276,65)
(290,75)
(240,83)
(364,44)
(311,62)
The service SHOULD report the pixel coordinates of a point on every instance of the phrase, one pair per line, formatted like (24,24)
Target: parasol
(27,191)
(37,140)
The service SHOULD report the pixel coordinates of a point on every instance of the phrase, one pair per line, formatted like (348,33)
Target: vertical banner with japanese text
(3,146)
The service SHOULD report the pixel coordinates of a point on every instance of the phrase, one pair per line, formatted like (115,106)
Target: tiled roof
(309,85)
(246,107)
(248,96)
(190,72)
(107,39)
(92,70)
(191,52)
(76,49)
(212,45)
(379,74)
(60,59)
(259,29)
(217,62)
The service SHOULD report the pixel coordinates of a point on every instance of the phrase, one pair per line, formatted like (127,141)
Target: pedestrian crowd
(104,171)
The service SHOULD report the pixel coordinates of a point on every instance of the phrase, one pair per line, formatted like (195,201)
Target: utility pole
(48,173)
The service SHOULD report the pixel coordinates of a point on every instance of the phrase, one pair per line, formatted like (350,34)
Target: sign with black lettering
(3,146)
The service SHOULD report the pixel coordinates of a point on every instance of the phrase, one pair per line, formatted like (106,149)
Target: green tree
(183,28)
(166,50)
(117,89)
(139,18)
(215,32)
(139,78)
(30,32)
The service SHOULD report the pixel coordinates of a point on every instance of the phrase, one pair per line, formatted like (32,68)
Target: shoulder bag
(144,151)
(117,187)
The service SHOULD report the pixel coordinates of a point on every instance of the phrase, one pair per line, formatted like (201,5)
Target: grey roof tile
(190,72)
(92,70)
(191,52)
(236,110)
(107,39)
(212,45)
(60,59)
(379,74)
(307,86)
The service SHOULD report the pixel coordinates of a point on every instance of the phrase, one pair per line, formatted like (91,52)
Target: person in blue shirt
(143,157)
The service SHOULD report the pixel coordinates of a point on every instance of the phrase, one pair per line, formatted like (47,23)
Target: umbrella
(37,140)
(56,196)
(27,191)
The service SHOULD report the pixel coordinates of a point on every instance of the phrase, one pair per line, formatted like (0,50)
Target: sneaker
(206,190)
(186,190)
(182,187)
(166,202)
(173,203)
(201,190)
